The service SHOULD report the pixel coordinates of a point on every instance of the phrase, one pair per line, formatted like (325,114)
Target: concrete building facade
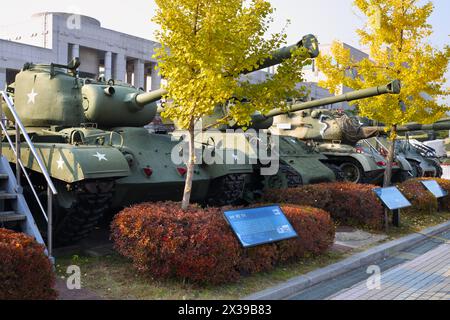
(313,74)
(59,37)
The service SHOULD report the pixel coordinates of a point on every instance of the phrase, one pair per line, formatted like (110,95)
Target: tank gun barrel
(309,42)
(440,125)
(393,87)
(143,99)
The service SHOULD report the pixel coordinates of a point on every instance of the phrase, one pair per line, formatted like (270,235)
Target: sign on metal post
(257,226)
(434,188)
(394,200)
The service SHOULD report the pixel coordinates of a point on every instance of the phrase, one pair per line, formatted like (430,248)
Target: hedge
(25,271)
(422,201)
(445,184)
(348,203)
(198,245)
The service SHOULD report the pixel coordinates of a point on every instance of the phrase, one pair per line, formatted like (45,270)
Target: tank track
(227,190)
(294,179)
(82,217)
(338,173)
(88,202)
(439,171)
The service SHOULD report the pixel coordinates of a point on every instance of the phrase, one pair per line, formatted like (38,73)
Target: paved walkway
(426,277)
(419,272)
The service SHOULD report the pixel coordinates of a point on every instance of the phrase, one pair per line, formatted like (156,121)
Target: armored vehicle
(300,163)
(91,136)
(423,159)
(336,134)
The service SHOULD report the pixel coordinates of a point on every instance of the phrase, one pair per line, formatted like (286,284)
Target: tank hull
(124,166)
(298,164)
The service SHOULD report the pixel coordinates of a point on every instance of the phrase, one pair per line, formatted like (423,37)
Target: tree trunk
(388,172)
(390,159)
(190,170)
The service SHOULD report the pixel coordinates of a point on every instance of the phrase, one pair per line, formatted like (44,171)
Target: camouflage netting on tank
(352,130)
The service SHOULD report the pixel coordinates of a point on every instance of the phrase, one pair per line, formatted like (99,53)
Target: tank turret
(53,95)
(302,121)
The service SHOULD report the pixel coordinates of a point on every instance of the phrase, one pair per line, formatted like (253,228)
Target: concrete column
(62,53)
(108,65)
(120,67)
(2,79)
(138,73)
(156,78)
(75,53)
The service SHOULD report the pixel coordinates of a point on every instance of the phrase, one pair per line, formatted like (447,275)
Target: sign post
(393,200)
(434,187)
(257,226)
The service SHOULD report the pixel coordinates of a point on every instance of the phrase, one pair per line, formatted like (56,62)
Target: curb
(303,282)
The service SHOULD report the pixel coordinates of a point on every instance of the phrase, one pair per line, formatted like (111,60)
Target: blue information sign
(258,226)
(434,188)
(392,198)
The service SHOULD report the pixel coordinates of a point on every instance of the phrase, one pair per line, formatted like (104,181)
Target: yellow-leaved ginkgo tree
(396,35)
(205,47)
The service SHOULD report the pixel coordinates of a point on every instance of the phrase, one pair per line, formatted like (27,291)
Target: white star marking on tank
(60,163)
(32,96)
(100,156)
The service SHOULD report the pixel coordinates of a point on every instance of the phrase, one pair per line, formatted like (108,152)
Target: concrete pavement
(418,272)
(426,277)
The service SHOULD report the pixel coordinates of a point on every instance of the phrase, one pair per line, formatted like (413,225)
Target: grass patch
(415,223)
(113,277)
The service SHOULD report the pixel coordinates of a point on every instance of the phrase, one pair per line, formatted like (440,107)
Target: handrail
(24,171)
(20,168)
(30,144)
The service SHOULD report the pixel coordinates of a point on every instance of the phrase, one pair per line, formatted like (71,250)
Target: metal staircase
(14,210)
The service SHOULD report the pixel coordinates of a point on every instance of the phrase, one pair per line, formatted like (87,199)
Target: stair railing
(20,168)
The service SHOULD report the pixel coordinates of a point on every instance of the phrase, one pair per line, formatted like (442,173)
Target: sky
(327,19)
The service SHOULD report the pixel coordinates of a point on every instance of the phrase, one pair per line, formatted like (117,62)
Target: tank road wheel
(439,171)
(401,176)
(294,179)
(338,173)
(286,177)
(353,172)
(226,190)
(416,171)
(72,223)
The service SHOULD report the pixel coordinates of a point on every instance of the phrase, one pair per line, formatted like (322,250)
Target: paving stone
(422,278)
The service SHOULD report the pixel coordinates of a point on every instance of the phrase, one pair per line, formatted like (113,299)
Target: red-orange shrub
(445,184)
(315,229)
(167,242)
(347,203)
(199,245)
(423,201)
(25,271)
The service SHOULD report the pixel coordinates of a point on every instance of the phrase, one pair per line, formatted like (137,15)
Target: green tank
(91,136)
(300,162)
(336,134)
(423,159)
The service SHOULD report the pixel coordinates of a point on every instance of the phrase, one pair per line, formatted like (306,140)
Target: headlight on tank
(130,159)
